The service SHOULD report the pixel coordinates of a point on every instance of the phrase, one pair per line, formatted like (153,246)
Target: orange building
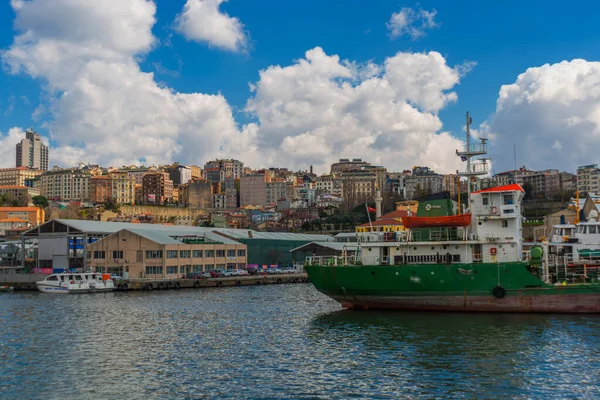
(34,215)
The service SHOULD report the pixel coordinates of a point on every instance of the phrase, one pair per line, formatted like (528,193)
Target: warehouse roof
(218,234)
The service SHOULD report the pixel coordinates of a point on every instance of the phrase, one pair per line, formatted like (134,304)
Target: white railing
(333,261)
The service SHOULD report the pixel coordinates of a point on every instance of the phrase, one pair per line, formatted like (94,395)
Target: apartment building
(157,188)
(275,191)
(328,184)
(100,189)
(358,186)
(34,215)
(32,152)
(422,181)
(179,174)
(253,190)
(68,184)
(347,165)
(123,187)
(20,176)
(588,178)
(219,170)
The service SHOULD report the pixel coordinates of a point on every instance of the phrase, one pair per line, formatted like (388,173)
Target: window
(220,266)
(209,253)
(508,199)
(504,223)
(52,278)
(592,229)
(197,253)
(154,270)
(230,266)
(231,253)
(99,269)
(171,253)
(220,253)
(117,254)
(172,270)
(99,255)
(241,266)
(485,200)
(139,256)
(154,254)
(184,253)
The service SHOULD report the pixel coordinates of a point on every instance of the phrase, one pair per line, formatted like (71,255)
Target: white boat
(579,242)
(99,282)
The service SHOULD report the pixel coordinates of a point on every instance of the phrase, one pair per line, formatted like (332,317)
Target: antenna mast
(473,150)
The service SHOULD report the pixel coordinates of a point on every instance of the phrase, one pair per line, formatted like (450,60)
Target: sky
(294,84)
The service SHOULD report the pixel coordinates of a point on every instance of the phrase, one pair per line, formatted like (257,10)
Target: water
(282,341)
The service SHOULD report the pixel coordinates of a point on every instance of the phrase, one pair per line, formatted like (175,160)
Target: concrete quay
(27,282)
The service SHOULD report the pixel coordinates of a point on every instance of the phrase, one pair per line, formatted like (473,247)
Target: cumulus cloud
(8,142)
(551,114)
(411,22)
(104,108)
(321,108)
(202,21)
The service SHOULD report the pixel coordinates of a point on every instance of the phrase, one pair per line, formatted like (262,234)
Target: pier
(20,281)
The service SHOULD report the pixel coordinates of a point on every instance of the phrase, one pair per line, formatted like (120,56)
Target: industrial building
(70,244)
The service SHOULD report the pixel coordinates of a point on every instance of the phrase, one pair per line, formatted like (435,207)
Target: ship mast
(475,167)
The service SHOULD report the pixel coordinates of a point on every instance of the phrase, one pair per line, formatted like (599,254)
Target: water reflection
(284,341)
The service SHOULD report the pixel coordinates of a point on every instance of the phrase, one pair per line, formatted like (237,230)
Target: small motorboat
(6,288)
(66,283)
(99,282)
(450,221)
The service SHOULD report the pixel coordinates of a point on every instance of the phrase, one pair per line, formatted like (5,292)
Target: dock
(27,282)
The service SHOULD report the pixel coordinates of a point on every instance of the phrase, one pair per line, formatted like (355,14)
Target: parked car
(217,273)
(195,275)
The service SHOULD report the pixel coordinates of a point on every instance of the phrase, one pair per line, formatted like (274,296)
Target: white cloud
(411,22)
(551,114)
(202,21)
(7,147)
(104,108)
(320,109)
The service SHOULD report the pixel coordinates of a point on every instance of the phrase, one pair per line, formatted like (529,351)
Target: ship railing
(438,234)
(378,237)
(333,261)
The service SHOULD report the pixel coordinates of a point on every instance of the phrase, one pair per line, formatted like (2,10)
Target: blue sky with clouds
(205,61)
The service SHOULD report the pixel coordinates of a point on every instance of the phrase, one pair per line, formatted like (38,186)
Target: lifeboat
(450,221)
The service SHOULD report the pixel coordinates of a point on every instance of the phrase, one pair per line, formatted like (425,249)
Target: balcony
(475,149)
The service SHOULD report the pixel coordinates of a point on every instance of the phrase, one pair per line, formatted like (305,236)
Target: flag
(463,158)
(371,209)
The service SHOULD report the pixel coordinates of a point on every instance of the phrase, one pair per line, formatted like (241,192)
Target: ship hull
(456,287)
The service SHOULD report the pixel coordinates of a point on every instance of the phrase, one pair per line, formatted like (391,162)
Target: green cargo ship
(444,265)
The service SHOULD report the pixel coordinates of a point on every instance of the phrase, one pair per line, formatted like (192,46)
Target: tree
(306,226)
(40,201)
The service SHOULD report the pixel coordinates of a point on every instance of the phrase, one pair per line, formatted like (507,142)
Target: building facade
(219,170)
(100,189)
(275,191)
(69,184)
(421,182)
(347,165)
(32,152)
(179,174)
(588,178)
(253,190)
(199,194)
(143,253)
(157,188)
(34,215)
(18,176)
(123,187)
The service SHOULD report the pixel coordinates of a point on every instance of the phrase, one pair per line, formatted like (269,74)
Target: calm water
(285,341)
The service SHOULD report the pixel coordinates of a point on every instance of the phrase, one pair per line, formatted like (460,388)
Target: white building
(31,152)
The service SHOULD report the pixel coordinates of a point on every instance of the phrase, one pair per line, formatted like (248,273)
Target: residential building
(11,224)
(421,182)
(396,182)
(123,187)
(380,174)
(18,176)
(275,191)
(543,183)
(69,184)
(22,194)
(138,173)
(218,201)
(588,178)
(32,152)
(328,184)
(253,190)
(358,186)
(347,165)
(450,184)
(218,170)
(34,215)
(232,198)
(157,188)
(179,174)
(100,189)
(514,176)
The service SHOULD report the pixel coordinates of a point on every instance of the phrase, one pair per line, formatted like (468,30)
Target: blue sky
(504,39)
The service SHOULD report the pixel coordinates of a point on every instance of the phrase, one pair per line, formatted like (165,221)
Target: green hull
(507,287)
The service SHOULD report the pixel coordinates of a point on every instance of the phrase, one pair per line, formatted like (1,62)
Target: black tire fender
(499,292)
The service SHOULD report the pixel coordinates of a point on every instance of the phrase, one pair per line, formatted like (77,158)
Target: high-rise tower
(31,152)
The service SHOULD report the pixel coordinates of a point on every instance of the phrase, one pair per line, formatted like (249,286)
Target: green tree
(40,201)
(306,226)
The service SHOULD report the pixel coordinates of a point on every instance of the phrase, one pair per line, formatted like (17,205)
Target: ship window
(504,223)
(485,201)
(508,199)
(52,278)
(592,229)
